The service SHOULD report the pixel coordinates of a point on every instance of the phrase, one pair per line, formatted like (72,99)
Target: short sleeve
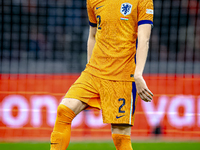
(91,15)
(145,12)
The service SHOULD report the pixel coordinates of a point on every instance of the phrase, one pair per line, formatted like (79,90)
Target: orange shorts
(117,99)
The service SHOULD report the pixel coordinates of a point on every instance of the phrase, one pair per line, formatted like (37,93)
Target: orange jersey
(117,22)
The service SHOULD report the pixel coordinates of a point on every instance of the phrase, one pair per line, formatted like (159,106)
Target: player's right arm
(91,42)
(93,29)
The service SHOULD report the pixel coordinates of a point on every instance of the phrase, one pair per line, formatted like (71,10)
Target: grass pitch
(104,146)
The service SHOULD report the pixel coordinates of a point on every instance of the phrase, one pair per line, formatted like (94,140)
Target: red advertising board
(28,106)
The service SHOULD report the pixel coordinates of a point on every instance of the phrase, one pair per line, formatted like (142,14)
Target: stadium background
(43,51)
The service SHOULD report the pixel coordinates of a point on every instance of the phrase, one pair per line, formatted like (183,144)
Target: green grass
(104,146)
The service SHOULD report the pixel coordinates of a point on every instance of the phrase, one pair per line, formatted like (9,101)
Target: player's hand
(142,89)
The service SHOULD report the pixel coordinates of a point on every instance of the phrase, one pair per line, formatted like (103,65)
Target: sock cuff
(66,113)
(121,136)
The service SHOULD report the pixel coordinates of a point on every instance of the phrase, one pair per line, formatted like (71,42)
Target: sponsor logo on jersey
(149,11)
(126,9)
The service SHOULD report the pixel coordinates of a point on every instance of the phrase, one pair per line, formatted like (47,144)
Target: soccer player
(112,79)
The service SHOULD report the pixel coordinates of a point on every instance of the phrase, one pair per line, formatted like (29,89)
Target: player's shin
(122,142)
(60,136)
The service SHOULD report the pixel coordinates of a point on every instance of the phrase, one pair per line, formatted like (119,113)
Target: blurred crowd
(43,27)
(176,33)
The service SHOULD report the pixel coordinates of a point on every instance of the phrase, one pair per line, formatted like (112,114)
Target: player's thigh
(124,129)
(83,93)
(74,104)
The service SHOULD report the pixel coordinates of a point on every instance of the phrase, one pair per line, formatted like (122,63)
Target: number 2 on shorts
(120,107)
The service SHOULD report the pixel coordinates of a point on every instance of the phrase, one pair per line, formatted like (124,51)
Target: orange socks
(122,142)
(60,136)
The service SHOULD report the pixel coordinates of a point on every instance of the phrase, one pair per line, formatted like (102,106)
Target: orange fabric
(86,89)
(122,142)
(113,56)
(144,10)
(117,101)
(60,136)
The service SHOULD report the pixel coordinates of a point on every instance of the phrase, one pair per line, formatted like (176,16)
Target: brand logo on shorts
(119,116)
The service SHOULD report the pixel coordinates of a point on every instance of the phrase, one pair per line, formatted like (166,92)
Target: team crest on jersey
(126,9)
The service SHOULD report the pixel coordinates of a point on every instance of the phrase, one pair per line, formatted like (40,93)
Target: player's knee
(65,114)
(74,104)
(60,110)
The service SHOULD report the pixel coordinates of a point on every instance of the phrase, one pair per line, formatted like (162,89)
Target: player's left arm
(144,32)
